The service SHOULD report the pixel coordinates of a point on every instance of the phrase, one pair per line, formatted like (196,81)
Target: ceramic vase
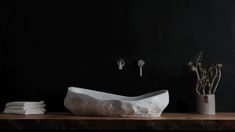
(206,104)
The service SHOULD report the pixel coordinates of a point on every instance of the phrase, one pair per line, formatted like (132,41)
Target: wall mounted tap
(141,64)
(120,64)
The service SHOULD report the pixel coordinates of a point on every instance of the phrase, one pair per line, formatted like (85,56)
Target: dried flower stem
(198,78)
(213,80)
(206,78)
(218,66)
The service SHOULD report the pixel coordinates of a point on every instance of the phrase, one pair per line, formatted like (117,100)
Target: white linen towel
(24,103)
(22,107)
(24,112)
(25,107)
(36,109)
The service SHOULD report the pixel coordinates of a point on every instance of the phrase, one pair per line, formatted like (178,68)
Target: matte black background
(48,46)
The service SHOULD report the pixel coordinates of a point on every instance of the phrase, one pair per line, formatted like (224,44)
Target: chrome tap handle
(141,64)
(120,64)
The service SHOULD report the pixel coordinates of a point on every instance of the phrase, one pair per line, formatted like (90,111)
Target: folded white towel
(23,107)
(37,109)
(24,103)
(23,112)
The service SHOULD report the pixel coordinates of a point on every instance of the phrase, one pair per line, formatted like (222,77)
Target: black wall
(46,47)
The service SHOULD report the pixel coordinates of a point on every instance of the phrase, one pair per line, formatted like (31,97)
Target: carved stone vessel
(86,102)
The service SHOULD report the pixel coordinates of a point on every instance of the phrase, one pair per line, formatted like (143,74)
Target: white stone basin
(86,102)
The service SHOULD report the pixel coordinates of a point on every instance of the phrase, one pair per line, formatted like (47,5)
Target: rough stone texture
(94,103)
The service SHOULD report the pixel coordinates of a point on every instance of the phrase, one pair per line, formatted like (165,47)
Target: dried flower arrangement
(207,78)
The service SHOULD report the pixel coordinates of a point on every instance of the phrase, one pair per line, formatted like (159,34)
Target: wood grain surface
(168,121)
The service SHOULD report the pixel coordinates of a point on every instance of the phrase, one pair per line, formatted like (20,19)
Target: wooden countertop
(168,121)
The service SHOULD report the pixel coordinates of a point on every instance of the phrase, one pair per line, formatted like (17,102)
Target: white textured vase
(206,104)
(82,101)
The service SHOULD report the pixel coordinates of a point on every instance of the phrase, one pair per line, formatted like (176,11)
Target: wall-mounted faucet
(120,64)
(141,64)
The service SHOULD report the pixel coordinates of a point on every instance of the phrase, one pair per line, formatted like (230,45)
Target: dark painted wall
(49,46)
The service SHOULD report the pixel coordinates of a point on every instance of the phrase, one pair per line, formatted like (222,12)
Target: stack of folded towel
(25,107)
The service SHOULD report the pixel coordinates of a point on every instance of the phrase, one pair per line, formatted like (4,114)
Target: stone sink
(87,102)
